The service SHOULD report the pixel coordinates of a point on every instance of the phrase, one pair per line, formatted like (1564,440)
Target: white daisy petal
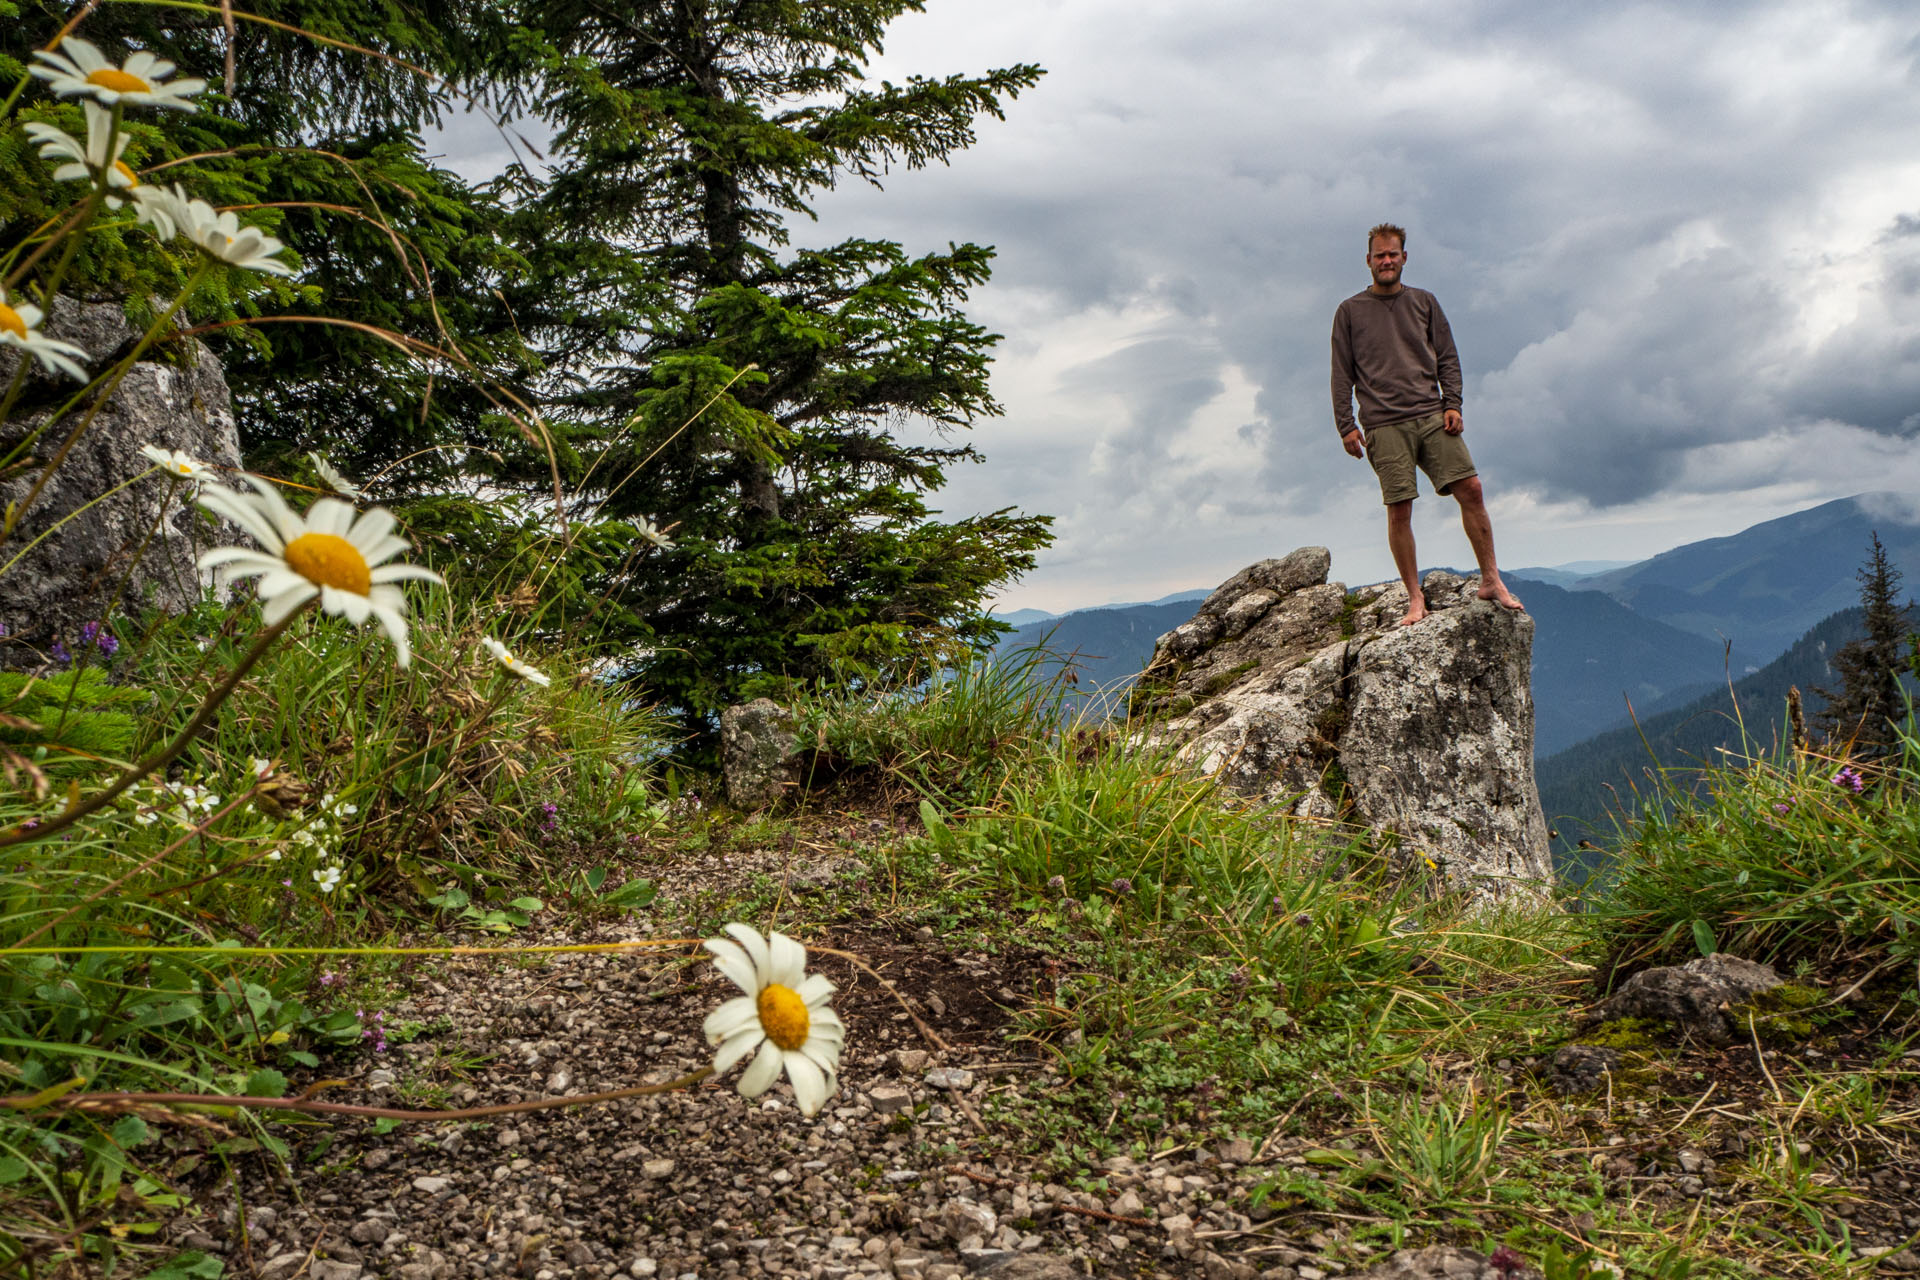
(787,963)
(729,1018)
(275,609)
(765,1070)
(756,948)
(809,1083)
(330,515)
(816,990)
(404,573)
(734,1048)
(729,958)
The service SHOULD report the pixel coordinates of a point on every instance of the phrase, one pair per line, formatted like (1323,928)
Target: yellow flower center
(11,322)
(119,81)
(783,1016)
(120,167)
(331,561)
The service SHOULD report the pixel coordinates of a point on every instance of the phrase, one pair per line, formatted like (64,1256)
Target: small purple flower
(549,816)
(1303,919)
(1121,885)
(4,633)
(1782,807)
(59,653)
(1506,1261)
(109,643)
(1058,884)
(88,630)
(1849,777)
(1239,977)
(327,976)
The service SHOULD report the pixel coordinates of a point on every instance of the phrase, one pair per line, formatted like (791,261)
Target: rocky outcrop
(1294,689)
(86,570)
(758,753)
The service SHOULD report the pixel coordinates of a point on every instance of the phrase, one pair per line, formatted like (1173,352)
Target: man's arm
(1343,380)
(1446,358)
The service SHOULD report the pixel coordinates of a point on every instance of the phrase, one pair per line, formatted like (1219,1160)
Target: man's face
(1385,257)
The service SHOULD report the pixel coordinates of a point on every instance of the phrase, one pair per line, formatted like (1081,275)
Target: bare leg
(1479,527)
(1400,542)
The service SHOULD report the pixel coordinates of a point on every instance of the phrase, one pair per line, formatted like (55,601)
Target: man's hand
(1454,424)
(1352,442)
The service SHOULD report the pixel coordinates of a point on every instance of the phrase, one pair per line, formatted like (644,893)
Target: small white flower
(304,836)
(261,766)
(273,856)
(651,532)
(784,1014)
(335,481)
(146,817)
(221,237)
(327,878)
(505,658)
(176,463)
(90,162)
(77,66)
(331,552)
(20,327)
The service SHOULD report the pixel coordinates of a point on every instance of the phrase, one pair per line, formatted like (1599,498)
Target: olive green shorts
(1397,447)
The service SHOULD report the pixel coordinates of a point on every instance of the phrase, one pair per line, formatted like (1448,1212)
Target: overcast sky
(1679,245)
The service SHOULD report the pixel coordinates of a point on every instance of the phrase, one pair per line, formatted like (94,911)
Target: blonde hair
(1387,229)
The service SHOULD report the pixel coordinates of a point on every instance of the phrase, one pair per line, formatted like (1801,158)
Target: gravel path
(899,1176)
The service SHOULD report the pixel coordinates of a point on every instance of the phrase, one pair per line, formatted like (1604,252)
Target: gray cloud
(1676,242)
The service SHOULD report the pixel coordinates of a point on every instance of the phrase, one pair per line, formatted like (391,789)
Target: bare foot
(1499,594)
(1415,611)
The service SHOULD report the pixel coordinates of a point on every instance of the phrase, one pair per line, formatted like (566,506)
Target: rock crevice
(1291,688)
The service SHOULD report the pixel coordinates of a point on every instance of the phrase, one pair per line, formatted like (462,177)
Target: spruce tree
(743,395)
(1865,713)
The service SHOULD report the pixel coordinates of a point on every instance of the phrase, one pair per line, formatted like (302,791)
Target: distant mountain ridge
(1768,585)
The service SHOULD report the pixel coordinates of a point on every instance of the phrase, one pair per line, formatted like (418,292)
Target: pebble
(431,1186)
(658,1168)
(643,1267)
(949,1078)
(890,1099)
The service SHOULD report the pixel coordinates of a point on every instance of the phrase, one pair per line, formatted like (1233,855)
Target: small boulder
(1697,997)
(759,753)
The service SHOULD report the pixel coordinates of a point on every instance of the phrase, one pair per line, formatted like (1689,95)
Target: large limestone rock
(1292,688)
(80,573)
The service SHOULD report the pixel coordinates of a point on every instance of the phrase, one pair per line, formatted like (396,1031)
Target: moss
(1332,721)
(1782,1015)
(1629,1035)
(1221,679)
(1349,623)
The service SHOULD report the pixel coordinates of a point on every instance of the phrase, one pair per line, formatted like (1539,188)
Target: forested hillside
(1583,786)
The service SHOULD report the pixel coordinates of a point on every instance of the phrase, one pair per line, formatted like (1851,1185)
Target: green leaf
(266,1083)
(385,1124)
(303,1058)
(12,1169)
(1703,937)
(129,1131)
(634,893)
(596,877)
(527,904)
(192,1265)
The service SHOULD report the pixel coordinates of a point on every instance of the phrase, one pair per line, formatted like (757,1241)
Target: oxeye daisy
(78,66)
(331,552)
(504,656)
(334,480)
(176,463)
(783,1014)
(162,208)
(221,237)
(651,532)
(89,161)
(20,327)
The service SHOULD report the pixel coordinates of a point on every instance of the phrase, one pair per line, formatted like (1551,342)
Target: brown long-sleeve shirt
(1395,352)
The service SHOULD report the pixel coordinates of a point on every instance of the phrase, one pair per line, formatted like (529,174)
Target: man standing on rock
(1392,346)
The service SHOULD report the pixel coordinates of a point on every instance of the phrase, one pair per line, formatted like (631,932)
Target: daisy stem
(100,400)
(164,756)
